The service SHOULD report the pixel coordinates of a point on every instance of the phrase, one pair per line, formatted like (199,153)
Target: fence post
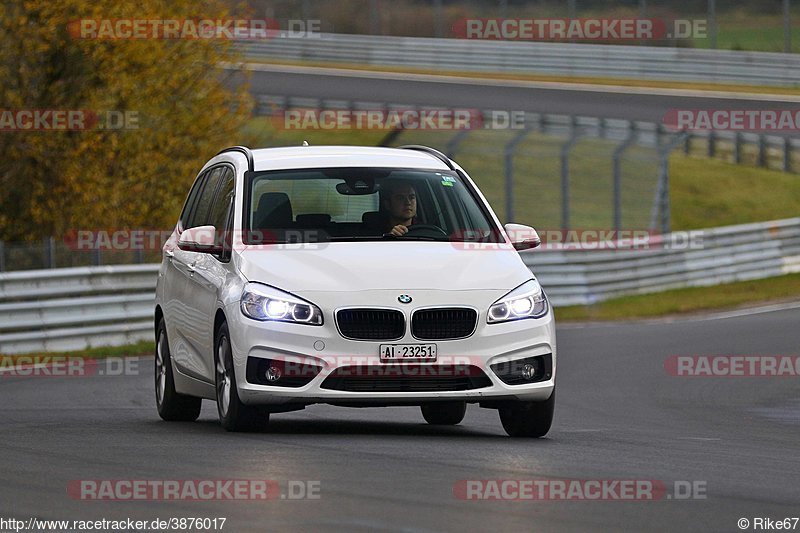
(374,18)
(2,256)
(455,142)
(566,148)
(661,203)
(737,148)
(712,144)
(509,168)
(51,246)
(712,22)
(787,154)
(787,28)
(615,159)
(438,24)
(762,150)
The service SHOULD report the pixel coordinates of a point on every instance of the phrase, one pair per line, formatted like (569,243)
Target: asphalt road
(625,103)
(619,416)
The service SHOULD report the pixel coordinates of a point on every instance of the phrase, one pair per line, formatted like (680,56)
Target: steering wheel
(426,230)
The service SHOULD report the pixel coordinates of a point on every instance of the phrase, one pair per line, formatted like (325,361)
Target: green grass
(747,31)
(708,193)
(689,300)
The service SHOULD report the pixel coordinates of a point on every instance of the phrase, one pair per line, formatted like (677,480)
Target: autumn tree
(185,108)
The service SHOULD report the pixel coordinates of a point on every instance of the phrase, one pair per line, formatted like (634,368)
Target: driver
(400,202)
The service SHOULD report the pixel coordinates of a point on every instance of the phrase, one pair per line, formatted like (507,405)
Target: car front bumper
(305,346)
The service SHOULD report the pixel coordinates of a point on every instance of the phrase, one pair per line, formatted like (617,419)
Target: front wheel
(528,419)
(444,413)
(171,405)
(233,414)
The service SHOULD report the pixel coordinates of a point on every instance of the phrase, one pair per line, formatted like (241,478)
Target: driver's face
(403,203)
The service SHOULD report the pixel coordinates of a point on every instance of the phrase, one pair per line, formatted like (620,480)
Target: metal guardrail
(75,308)
(599,60)
(63,309)
(721,255)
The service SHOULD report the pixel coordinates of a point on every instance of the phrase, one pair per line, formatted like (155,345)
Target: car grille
(371,324)
(443,323)
(406,378)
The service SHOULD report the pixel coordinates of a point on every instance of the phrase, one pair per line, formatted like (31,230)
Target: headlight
(262,302)
(526,301)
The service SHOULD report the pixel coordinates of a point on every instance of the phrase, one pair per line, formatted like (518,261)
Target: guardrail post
(687,145)
(566,148)
(509,168)
(737,148)
(97,257)
(762,150)
(2,256)
(787,154)
(615,160)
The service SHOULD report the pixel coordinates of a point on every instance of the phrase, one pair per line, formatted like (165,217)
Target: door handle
(169,253)
(190,267)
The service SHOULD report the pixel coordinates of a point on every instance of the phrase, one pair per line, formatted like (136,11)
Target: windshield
(348,204)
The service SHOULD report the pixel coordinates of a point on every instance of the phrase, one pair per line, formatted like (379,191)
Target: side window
(200,211)
(186,214)
(219,211)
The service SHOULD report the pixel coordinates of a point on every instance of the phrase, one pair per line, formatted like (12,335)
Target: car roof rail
(248,153)
(432,151)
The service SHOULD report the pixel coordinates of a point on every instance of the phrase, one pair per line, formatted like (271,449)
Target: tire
(171,406)
(528,419)
(444,413)
(233,414)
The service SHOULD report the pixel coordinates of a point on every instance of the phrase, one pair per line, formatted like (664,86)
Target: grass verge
(139,348)
(689,300)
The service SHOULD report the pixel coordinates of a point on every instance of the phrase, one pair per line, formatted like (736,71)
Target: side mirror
(522,237)
(201,239)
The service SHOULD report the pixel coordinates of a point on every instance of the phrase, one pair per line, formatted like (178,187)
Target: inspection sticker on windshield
(448,181)
(415,352)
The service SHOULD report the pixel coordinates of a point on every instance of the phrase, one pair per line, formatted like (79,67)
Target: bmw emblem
(404,299)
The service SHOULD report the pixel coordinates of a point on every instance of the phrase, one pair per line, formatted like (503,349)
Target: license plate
(408,352)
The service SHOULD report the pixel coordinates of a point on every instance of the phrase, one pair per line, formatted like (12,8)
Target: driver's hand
(399,230)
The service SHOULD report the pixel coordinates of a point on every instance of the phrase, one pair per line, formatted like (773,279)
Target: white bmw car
(352,276)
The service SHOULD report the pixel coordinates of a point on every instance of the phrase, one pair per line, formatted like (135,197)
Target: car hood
(361,266)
